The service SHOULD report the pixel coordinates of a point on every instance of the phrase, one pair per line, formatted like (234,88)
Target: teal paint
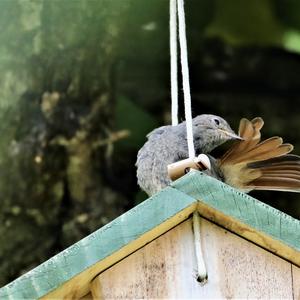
(242,207)
(97,246)
(193,187)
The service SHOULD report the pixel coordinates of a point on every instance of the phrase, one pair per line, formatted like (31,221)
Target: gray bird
(168,144)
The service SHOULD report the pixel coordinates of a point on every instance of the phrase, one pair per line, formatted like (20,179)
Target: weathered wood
(68,274)
(156,271)
(166,268)
(296,281)
(161,269)
(240,269)
(244,215)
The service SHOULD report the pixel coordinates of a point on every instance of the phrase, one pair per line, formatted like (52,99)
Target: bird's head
(211,131)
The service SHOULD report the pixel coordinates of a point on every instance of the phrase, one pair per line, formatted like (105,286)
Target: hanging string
(185,78)
(201,268)
(173,63)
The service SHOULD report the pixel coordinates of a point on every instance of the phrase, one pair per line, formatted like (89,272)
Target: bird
(168,144)
(252,164)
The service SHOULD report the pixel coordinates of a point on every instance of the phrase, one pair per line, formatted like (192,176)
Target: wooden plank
(165,268)
(296,281)
(240,269)
(151,269)
(244,215)
(68,274)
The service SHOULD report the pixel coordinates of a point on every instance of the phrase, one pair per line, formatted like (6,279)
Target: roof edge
(59,277)
(244,215)
(69,273)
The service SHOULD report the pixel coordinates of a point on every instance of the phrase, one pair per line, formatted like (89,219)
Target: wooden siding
(68,274)
(165,268)
(250,218)
(296,282)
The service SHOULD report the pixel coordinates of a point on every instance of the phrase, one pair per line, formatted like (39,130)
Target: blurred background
(83,82)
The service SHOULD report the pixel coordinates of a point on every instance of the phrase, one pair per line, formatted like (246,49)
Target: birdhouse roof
(69,273)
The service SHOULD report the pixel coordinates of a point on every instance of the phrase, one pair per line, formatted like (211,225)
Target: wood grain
(240,269)
(165,268)
(162,269)
(68,274)
(254,220)
(296,282)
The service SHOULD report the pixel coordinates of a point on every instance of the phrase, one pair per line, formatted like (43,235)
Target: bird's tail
(254,165)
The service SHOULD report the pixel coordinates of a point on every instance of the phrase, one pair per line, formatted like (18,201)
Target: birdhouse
(250,250)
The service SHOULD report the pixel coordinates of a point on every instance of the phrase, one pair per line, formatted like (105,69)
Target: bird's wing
(251,164)
(157,132)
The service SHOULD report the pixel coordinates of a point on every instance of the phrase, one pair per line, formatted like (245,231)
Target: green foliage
(242,22)
(135,119)
(257,22)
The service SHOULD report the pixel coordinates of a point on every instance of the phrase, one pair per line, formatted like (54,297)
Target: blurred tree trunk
(57,118)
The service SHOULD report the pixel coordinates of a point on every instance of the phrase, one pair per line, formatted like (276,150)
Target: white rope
(201,268)
(185,78)
(173,55)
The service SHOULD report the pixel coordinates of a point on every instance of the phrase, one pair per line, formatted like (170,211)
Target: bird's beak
(232,135)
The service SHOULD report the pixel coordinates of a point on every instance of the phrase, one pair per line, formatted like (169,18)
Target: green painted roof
(214,200)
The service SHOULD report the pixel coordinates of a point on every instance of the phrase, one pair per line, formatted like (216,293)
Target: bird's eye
(217,122)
